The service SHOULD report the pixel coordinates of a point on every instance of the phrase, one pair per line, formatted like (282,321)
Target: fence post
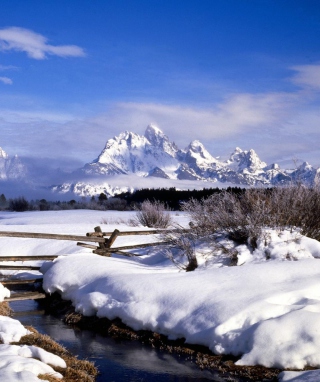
(112,238)
(102,246)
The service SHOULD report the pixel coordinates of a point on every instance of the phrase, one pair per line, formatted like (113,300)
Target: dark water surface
(117,360)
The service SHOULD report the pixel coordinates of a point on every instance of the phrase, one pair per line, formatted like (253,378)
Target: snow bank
(296,376)
(264,311)
(4,292)
(16,363)
(235,310)
(11,330)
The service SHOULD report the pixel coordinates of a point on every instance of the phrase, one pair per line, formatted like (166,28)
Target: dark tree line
(172,197)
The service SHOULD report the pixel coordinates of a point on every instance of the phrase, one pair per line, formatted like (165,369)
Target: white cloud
(240,113)
(307,76)
(6,80)
(8,67)
(278,125)
(34,44)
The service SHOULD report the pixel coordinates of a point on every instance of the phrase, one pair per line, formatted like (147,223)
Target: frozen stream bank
(117,361)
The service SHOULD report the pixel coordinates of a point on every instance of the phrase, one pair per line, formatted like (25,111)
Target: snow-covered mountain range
(153,156)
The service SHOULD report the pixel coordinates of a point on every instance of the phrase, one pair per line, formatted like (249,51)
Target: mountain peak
(3,154)
(197,147)
(198,158)
(153,128)
(305,166)
(245,161)
(160,141)
(154,135)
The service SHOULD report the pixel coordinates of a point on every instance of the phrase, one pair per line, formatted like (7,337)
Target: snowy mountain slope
(11,168)
(89,189)
(154,155)
(131,153)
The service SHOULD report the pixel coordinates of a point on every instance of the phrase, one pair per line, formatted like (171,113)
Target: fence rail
(103,240)
(33,235)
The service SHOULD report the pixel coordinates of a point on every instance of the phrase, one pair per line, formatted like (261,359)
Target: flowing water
(117,360)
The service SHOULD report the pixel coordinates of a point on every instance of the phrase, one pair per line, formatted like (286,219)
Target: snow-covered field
(266,312)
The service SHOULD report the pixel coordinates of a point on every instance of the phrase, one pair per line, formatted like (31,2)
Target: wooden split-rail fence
(103,240)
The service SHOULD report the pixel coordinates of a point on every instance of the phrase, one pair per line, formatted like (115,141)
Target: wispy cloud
(34,44)
(307,76)
(237,114)
(6,80)
(278,125)
(8,67)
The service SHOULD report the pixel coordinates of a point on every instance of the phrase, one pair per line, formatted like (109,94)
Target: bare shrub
(153,214)
(181,250)
(297,207)
(132,223)
(243,217)
(112,220)
(238,217)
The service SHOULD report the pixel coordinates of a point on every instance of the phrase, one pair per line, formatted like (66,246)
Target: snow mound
(17,363)
(232,310)
(11,330)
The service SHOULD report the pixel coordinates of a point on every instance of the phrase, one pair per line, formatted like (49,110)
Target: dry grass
(48,377)
(5,309)
(76,371)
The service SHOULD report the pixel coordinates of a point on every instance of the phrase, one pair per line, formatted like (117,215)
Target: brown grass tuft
(5,309)
(48,377)
(72,318)
(76,371)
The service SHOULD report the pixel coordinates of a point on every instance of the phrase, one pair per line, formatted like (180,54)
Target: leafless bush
(242,217)
(238,217)
(298,207)
(181,250)
(153,214)
(118,221)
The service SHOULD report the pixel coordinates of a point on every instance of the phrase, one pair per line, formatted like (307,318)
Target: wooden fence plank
(27,258)
(126,233)
(90,246)
(138,246)
(120,249)
(18,282)
(32,235)
(18,267)
(25,296)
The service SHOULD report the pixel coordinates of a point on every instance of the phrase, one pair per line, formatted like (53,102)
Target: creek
(117,360)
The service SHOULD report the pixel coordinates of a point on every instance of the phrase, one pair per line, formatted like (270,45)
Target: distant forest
(172,198)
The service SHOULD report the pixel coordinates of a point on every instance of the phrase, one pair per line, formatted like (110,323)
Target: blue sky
(226,72)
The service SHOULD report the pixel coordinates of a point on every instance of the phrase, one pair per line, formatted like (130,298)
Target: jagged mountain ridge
(154,155)
(11,168)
